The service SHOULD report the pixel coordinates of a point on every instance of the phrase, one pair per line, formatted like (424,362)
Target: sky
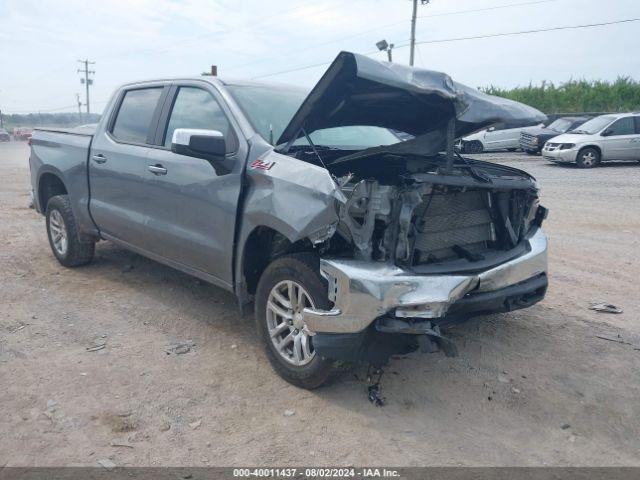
(293,41)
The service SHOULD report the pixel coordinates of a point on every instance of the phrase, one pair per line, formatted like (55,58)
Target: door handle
(99,158)
(157,169)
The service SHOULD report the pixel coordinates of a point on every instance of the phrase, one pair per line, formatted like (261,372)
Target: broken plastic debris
(605,308)
(106,463)
(180,348)
(121,442)
(374,389)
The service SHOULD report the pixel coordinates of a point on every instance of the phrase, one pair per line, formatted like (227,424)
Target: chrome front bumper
(364,291)
(560,156)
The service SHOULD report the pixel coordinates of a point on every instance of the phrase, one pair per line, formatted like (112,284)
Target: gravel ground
(535,387)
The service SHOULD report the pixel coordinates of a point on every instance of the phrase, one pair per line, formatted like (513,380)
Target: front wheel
(67,245)
(588,158)
(288,286)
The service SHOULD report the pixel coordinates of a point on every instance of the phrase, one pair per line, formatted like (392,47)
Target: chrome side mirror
(200,143)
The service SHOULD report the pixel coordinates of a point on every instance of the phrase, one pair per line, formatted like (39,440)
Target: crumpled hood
(357,90)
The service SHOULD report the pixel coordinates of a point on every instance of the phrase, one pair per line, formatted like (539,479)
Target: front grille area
(527,141)
(448,220)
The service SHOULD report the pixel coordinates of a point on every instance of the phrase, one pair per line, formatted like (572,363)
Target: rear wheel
(67,245)
(474,146)
(588,158)
(288,285)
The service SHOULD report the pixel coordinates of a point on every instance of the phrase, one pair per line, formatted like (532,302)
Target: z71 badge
(262,165)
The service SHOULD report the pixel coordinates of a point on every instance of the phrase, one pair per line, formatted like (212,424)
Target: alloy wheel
(285,322)
(58,232)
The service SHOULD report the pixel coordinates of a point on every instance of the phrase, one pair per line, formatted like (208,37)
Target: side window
(623,126)
(135,115)
(196,108)
(637,120)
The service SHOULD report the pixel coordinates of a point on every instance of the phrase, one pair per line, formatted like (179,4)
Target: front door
(192,202)
(621,142)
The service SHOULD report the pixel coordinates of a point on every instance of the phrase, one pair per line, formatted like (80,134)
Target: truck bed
(64,153)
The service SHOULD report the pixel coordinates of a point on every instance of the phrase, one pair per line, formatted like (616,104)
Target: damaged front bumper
(363,292)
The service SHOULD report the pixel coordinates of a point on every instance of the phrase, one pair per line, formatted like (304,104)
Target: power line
(457,39)
(524,32)
(497,7)
(387,25)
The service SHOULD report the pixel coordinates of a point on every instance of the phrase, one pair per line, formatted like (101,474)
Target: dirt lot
(519,378)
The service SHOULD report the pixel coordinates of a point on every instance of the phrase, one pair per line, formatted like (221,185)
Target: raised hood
(357,90)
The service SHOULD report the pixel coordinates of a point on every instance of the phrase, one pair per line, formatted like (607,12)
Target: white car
(498,137)
(607,137)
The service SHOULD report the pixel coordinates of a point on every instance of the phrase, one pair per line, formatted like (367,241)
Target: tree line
(47,119)
(622,95)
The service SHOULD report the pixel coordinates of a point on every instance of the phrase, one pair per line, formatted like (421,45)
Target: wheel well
(262,247)
(49,186)
(595,147)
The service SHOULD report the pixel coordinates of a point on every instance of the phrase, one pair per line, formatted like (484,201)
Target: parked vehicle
(502,136)
(533,140)
(22,133)
(603,138)
(351,244)
(4,136)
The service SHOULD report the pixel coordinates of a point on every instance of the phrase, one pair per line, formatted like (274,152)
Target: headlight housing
(567,146)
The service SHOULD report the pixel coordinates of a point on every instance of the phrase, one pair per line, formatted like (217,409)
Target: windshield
(561,125)
(594,125)
(270,108)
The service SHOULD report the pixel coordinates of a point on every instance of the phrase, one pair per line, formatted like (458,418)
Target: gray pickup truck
(344,214)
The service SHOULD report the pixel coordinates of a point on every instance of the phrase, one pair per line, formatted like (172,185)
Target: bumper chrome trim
(364,291)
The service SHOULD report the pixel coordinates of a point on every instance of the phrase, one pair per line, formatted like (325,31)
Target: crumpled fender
(291,196)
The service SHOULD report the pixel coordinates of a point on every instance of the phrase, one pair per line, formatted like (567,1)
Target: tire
(474,146)
(511,149)
(531,152)
(71,249)
(588,157)
(302,269)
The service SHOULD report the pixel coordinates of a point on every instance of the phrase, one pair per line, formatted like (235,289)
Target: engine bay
(408,210)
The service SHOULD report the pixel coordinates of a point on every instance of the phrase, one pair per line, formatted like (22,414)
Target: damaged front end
(419,252)
(424,240)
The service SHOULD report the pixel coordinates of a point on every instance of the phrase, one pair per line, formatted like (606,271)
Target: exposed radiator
(445,220)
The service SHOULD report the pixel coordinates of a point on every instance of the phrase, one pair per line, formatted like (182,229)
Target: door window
(624,126)
(136,114)
(196,108)
(637,120)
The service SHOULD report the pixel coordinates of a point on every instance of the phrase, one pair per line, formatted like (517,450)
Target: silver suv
(607,137)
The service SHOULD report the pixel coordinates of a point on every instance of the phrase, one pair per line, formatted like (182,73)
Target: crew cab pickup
(352,244)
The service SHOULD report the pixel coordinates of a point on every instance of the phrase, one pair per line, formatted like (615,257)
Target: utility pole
(79,107)
(414,15)
(86,80)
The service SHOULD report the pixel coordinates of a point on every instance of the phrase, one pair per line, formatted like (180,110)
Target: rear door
(621,142)
(503,137)
(118,163)
(192,212)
